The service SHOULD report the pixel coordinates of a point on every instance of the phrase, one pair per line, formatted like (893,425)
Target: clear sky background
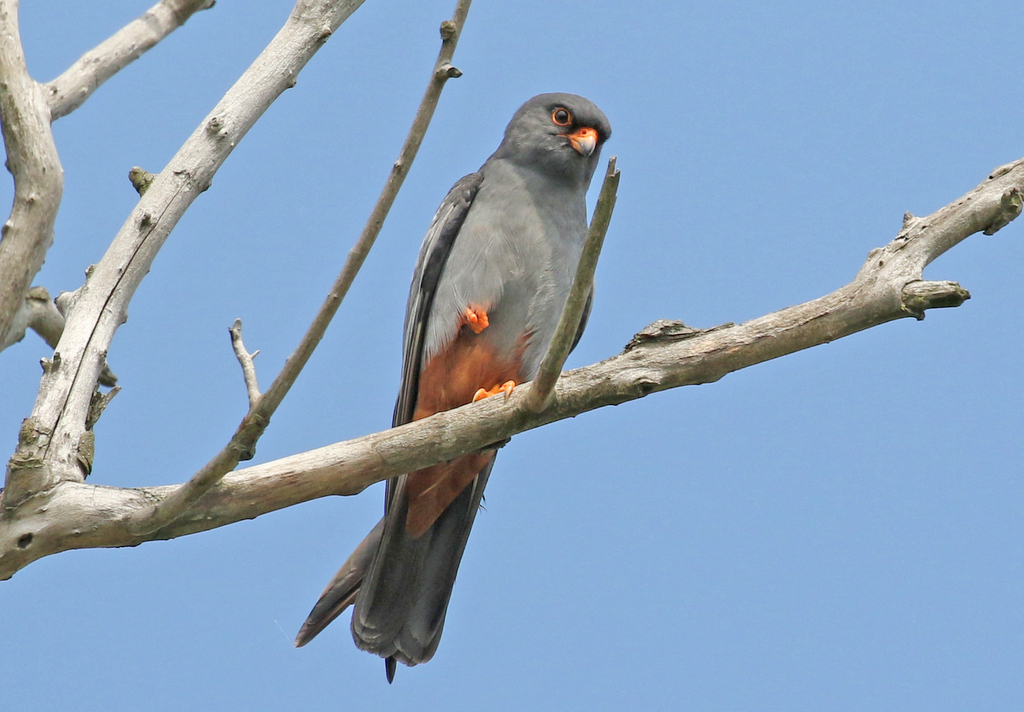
(839,529)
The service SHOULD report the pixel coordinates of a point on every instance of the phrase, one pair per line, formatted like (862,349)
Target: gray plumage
(506,239)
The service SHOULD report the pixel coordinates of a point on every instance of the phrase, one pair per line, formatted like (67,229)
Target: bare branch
(39,313)
(919,296)
(1009,208)
(243,443)
(667,354)
(70,90)
(45,317)
(33,161)
(245,361)
(443,70)
(48,451)
(560,346)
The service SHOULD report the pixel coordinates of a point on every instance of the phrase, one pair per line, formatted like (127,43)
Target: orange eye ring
(561,116)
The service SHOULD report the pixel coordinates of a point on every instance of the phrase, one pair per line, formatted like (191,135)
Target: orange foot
(476,318)
(505,388)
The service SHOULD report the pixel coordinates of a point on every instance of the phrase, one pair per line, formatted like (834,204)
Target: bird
(490,284)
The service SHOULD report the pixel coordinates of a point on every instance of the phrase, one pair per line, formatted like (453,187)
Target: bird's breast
(516,256)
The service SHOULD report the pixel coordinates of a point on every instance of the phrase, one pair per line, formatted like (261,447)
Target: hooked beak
(584,140)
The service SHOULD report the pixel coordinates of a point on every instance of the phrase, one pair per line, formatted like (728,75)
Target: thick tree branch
(32,160)
(52,439)
(243,443)
(27,109)
(70,90)
(665,355)
(568,324)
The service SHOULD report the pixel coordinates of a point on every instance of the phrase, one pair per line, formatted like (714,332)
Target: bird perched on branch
(491,281)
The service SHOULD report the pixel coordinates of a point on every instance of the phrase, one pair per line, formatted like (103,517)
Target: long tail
(400,584)
(400,609)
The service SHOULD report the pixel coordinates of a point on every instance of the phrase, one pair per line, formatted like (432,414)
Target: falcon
(490,284)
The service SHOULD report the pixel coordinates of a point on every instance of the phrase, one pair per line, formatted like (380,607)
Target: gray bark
(666,354)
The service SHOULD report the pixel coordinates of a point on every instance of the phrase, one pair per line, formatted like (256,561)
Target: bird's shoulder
(444,228)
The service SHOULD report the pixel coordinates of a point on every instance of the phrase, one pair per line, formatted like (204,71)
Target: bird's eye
(561,116)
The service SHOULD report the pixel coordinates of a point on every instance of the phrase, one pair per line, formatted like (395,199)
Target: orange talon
(507,387)
(476,319)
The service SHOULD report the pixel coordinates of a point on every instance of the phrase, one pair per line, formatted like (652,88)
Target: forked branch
(26,110)
(55,435)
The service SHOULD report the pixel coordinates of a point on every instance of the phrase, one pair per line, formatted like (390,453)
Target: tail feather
(400,585)
(400,608)
(341,591)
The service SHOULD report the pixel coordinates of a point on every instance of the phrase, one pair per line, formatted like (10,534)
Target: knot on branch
(447,71)
(33,434)
(910,221)
(1010,204)
(1004,169)
(249,432)
(921,295)
(38,293)
(66,301)
(86,452)
(668,330)
(448,30)
(645,385)
(185,10)
(141,179)
(27,464)
(50,365)
(217,127)
(99,402)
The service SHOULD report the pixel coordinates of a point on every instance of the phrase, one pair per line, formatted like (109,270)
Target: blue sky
(838,529)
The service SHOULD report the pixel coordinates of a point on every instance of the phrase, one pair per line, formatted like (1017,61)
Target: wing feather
(437,245)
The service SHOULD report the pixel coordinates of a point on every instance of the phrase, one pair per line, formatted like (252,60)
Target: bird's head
(558,135)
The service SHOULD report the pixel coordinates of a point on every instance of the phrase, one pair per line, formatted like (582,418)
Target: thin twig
(70,90)
(543,388)
(242,444)
(245,361)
